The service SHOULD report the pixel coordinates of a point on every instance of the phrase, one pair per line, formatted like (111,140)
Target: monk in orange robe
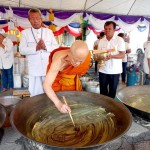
(65,67)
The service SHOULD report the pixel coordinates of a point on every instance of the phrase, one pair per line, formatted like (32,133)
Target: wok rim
(5,114)
(17,100)
(128,104)
(97,145)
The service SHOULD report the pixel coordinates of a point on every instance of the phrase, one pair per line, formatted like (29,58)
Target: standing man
(124,61)
(109,73)
(6,61)
(37,43)
(101,35)
(146,63)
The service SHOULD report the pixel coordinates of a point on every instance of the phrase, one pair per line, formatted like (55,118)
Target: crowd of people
(53,68)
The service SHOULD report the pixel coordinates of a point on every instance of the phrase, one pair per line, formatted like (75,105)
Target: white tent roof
(124,7)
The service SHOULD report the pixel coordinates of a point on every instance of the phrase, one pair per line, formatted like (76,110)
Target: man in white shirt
(6,61)
(124,61)
(109,73)
(37,43)
(146,63)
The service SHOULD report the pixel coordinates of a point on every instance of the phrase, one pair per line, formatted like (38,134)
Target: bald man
(65,67)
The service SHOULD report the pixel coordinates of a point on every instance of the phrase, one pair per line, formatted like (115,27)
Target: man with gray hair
(37,43)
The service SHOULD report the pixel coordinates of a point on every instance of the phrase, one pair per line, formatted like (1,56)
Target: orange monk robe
(68,79)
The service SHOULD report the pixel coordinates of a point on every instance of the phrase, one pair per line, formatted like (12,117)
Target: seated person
(65,67)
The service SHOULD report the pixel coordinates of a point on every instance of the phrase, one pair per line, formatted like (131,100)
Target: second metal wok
(99,120)
(137,99)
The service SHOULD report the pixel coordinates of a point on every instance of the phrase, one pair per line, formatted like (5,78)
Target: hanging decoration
(47,23)
(84,26)
(5,28)
(59,32)
(51,18)
(97,32)
(127,28)
(74,31)
(51,15)
(3,21)
(52,27)
(141,28)
(98,24)
(11,25)
(74,25)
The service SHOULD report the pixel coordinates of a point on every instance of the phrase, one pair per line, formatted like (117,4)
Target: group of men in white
(36,44)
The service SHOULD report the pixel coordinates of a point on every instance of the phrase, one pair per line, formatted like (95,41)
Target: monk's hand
(63,108)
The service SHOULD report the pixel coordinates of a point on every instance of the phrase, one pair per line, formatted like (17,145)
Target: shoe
(4,90)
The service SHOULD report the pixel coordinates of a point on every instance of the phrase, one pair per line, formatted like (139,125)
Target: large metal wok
(37,119)
(137,99)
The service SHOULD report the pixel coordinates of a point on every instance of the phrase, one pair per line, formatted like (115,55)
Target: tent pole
(131,7)
(94,5)
(19,2)
(85,5)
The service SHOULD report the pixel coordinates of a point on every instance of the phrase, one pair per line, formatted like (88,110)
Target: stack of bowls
(9,103)
(93,86)
(85,80)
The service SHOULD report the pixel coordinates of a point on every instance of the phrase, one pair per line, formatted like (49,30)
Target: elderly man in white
(37,43)
(6,61)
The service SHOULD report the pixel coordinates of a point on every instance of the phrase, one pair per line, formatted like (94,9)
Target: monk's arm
(50,78)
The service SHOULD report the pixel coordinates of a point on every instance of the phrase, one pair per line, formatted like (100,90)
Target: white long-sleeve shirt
(6,54)
(37,60)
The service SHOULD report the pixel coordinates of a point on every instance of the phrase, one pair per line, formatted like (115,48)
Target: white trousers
(36,85)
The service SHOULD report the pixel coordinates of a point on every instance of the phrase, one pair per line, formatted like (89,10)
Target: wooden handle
(69,112)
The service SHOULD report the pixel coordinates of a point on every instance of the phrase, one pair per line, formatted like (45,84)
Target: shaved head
(78,53)
(79,49)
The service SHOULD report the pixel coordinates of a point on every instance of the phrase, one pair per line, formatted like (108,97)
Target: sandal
(11,89)
(4,90)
